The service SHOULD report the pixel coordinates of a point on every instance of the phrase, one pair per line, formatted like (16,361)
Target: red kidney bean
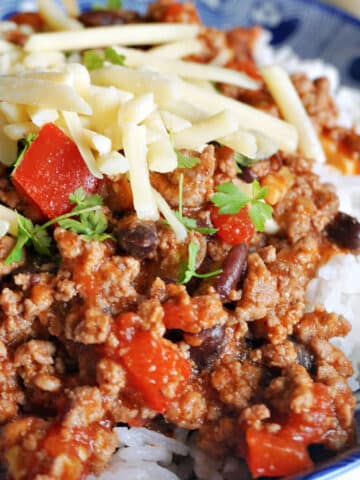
(212,343)
(98,18)
(344,231)
(234,268)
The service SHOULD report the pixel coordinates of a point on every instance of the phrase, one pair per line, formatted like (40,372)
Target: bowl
(294,23)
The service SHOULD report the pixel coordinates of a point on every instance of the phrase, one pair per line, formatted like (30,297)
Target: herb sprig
(94,60)
(230,200)
(189,223)
(188,269)
(243,161)
(91,225)
(24,147)
(186,161)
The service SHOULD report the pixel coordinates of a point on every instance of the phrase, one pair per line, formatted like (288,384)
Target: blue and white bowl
(313,30)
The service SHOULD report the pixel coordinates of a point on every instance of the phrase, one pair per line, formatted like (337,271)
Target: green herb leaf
(186,161)
(92,60)
(229,198)
(25,144)
(187,269)
(258,192)
(109,5)
(259,212)
(90,225)
(112,56)
(243,160)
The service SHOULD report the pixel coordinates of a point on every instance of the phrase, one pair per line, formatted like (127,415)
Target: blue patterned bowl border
(294,23)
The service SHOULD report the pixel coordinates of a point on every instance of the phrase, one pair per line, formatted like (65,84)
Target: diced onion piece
(265,146)
(164,88)
(79,78)
(112,163)
(8,147)
(136,58)
(135,34)
(173,122)
(17,131)
(43,60)
(180,49)
(98,142)
(13,113)
(293,110)
(284,134)
(240,141)
(40,116)
(4,228)
(214,127)
(161,156)
(134,138)
(77,134)
(72,7)
(9,216)
(137,109)
(28,91)
(271,226)
(55,18)
(175,224)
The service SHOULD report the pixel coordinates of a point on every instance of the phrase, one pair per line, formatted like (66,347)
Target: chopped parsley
(186,161)
(90,225)
(94,60)
(24,147)
(188,269)
(230,200)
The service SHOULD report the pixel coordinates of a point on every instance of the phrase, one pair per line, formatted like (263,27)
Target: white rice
(147,455)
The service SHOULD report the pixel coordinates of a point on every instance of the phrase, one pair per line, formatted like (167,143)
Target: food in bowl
(164,240)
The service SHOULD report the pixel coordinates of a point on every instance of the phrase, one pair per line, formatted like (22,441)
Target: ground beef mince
(105,333)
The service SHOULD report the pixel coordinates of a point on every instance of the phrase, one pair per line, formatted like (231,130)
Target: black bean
(304,356)
(139,239)
(247,175)
(98,18)
(344,231)
(234,268)
(212,343)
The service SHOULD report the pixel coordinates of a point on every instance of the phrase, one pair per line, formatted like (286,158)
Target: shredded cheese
(44,60)
(40,116)
(77,134)
(265,146)
(28,91)
(113,163)
(180,49)
(98,142)
(17,131)
(293,110)
(72,7)
(136,58)
(134,138)
(284,134)
(134,34)
(174,123)
(241,141)
(137,109)
(13,113)
(55,18)
(161,156)
(175,224)
(165,88)
(9,216)
(216,126)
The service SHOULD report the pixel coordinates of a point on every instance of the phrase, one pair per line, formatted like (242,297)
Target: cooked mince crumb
(105,334)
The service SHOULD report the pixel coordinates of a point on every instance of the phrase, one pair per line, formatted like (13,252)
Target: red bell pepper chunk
(272,456)
(50,170)
(154,366)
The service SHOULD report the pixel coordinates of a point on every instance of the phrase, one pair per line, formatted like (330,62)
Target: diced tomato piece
(180,316)
(233,229)
(272,456)
(51,169)
(154,366)
(28,18)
